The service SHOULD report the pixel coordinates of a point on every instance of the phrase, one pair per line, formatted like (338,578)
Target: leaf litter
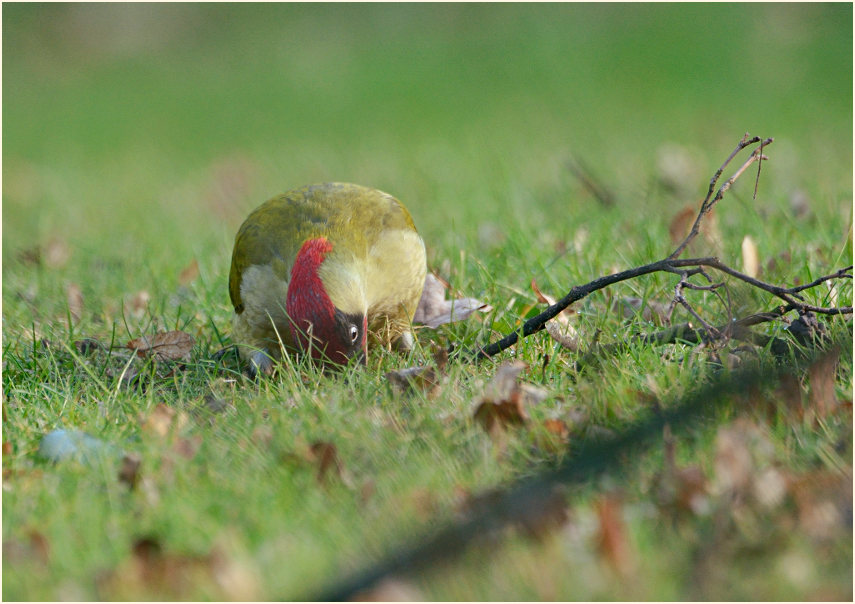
(434,310)
(164,346)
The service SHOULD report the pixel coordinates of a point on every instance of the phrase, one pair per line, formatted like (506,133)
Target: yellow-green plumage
(376,267)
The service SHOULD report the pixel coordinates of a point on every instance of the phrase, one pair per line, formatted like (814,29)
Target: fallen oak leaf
(164,346)
(129,471)
(324,456)
(613,540)
(680,489)
(30,256)
(36,547)
(823,399)
(87,346)
(413,379)
(138,303)
(434,310)
(188,447)
(823,500)
(163,419)
(505,400)
(681,223)
(151,573)
(554,437)
(495,416)
(421,378)
(537,517)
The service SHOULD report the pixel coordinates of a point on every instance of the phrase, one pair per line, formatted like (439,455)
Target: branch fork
(687,268)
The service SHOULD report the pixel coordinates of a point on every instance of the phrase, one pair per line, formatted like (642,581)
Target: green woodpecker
(320,267)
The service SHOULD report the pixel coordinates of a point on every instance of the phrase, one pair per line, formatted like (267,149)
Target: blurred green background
(121,121)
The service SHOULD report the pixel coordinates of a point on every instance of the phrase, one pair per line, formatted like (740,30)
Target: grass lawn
(136,139)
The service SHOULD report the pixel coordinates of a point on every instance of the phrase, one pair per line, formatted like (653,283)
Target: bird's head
(323,321)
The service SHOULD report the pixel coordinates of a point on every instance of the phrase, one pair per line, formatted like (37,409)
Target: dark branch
(708,203)
(673,264)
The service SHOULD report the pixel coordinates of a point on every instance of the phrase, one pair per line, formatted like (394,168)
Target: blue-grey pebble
(62,444)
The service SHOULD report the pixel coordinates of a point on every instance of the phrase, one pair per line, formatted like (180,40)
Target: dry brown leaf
(789,390)
(75,300)
(415,379)
(824,502)
(138,304)
(153,574)
(559,328)
(504,384)
(558,428)
(743,453)
(56,253)
(262,435)
(36,547)
(505,400)
(537,517)
(189,273)
(164,419)
(236,578)
(88,345)
(823,399)
(681,224)
(434,310)
(750,257)
(30,256)
(679,489)
(129,471)
(545,515)
(188,447)
(7,448)
(555,436)
(770,487)
(423,502)
(734,465)
(325,457)
(164,346)
(613,541)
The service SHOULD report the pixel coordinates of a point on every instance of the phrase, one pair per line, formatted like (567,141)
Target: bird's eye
(354,333)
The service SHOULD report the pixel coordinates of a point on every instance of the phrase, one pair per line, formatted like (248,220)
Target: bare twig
(578,292)
(586,177)
(843,273)
(759,166)
(686,268)
(709,201)
(681,299)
